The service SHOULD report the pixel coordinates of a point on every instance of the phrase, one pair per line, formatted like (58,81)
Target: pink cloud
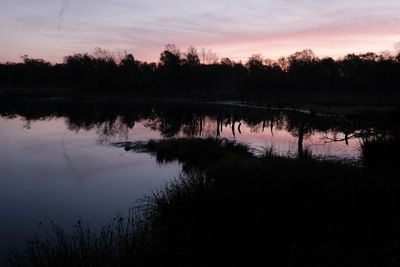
(391,27)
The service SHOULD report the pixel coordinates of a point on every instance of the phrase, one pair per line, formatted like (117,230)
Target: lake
(61,160)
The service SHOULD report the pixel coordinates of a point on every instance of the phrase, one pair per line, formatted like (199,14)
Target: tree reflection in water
(114,118)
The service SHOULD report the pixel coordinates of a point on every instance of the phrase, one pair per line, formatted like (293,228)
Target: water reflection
(287,132)
(58,161)
(52,173)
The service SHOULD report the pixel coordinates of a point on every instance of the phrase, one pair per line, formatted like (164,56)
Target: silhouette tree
(129,62)
(226,61)
(300,72)
(256,61)
(171,57)
(192,57)
(397,51)
(301,58)
(397,48)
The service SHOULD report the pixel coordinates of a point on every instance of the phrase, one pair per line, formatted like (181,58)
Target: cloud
(63,9)
(231,27)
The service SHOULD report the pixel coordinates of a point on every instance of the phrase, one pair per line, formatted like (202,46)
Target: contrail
(63,9)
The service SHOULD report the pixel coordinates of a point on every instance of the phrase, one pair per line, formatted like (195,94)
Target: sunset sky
(51,29)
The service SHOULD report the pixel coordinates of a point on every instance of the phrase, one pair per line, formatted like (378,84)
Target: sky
(52,29)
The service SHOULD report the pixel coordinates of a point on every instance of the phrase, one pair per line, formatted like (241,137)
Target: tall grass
(381,153)
(116,244)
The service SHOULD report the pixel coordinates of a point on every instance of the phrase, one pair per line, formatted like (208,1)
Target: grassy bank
(231,208)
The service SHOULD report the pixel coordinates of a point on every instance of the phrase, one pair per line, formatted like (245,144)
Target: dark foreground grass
(230,208)
(116,244)
(381,153)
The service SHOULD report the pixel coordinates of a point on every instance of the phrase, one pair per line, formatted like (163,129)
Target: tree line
(185,72)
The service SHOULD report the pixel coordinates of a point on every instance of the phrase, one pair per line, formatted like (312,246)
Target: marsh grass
(381,153)
(116,244)
(232,208)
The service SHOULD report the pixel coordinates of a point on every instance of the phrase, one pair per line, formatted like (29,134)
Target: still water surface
(51,173)
(59,160)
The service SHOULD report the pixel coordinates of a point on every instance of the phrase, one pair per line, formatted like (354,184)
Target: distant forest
(191,72)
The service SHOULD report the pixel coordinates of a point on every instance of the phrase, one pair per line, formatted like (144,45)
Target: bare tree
(203,55)
(212,57)
(208,56)
(397,48)
(103,54)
